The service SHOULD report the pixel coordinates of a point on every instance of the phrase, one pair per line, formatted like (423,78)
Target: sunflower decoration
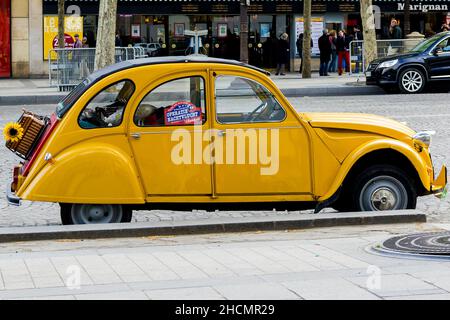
(13,132)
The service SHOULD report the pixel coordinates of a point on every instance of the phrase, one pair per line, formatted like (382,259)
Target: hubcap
(383,193)
(96,213)
(412,81)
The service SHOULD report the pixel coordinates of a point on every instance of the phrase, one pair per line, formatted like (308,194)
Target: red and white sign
(182,113)
(68,41)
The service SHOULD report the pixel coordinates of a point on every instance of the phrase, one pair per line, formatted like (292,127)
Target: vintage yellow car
(202,133)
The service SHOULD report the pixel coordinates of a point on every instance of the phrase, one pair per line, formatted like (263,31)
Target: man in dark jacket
(325,52)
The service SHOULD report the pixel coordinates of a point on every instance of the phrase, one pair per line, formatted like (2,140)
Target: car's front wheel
(94,213)
(383,187)
(411,80)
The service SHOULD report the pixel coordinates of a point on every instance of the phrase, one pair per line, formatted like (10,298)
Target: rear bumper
(11,197)
(439,186)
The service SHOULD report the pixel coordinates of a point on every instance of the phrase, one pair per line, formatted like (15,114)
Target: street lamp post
(244,31)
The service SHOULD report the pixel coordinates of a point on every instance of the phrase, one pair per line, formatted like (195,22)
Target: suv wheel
(94,213)
(383,187)
(411,80)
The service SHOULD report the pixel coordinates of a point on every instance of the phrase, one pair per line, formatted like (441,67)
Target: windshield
(426,44)
(67,102)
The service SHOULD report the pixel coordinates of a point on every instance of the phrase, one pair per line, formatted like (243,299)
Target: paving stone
(257,291)
(197,293)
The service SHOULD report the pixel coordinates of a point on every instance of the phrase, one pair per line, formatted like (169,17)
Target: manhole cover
(436,244)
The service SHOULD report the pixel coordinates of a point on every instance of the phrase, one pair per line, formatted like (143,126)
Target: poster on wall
(179,30)
(265,30)
(72,26)
(316,31)
(222,30)
(136,30)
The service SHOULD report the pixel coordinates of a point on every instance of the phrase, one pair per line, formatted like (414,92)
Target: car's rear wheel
(383,187)
(94,213)
(411,80)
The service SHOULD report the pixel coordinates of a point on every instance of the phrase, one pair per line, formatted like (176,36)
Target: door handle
(136,136)
(221,133)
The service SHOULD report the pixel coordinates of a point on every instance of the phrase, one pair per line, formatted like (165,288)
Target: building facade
(32,25)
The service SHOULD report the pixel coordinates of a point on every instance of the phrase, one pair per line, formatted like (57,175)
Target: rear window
(68,101)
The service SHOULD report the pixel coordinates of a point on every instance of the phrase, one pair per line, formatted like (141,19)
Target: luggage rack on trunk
(33,127)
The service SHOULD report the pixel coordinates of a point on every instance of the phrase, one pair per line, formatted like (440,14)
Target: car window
(107,107)
(444,45)
(241,100)
(178,102)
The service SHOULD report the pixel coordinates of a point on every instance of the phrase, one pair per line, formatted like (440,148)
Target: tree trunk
(370,39)
(306,71)
(105,49)
(244,32)
(407,22)
(61,42)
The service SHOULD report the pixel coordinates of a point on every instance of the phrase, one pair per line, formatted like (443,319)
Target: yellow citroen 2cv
(202,133)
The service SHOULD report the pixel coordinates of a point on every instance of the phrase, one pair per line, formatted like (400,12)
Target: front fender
(418,160)
(88,172)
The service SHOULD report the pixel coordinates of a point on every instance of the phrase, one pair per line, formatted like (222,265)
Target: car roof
(97,75)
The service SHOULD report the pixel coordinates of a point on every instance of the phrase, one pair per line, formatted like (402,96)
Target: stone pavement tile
(445,296)
(125,268)
(329,289)
(183,268)
(292,263)
(154,268)
(259,261)
(437,278)
(195,293)
(397,285)
(66,297)
(237,265)
(206,263)
(256,291)
(98,270)
(66,266)
(123,295)
(48,282)
(338,257)
(313,259)
(14,285)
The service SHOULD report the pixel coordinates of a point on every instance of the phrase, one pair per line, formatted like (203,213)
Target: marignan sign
(423,7)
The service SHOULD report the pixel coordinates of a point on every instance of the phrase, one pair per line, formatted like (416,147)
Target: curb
(347,90)
(203,226)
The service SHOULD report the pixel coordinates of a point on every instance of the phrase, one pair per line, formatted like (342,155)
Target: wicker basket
(33,127)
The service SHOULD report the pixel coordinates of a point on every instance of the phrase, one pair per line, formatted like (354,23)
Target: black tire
(70,215)
(382,187)
(412,81)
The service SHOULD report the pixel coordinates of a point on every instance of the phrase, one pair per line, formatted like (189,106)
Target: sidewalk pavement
(37,91)
(327,263)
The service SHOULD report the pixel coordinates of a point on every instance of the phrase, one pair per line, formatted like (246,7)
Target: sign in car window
(182,113)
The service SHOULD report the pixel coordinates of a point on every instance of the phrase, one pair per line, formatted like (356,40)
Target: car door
(165,131)
(262,147)
(439,60)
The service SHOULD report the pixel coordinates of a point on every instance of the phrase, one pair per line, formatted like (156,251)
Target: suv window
(444,45)
(178,102)
(242,100)
(107,107)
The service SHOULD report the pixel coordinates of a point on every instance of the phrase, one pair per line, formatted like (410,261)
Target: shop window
(178,102)
(241,100)
(107,107)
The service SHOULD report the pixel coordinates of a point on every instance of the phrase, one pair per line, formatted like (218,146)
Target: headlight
(423,137)
(388,64)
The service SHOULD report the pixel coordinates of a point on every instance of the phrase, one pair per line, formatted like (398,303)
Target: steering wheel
(253,116)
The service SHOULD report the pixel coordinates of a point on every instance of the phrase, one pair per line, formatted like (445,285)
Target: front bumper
(439,186)
(11,196)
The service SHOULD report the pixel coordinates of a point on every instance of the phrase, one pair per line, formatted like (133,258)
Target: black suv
(410,72)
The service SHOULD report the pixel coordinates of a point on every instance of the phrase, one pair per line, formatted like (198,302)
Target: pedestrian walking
(118,41)
(282,54)
(325,52)
(395,33)
(333,64)
(84,67)
(342,47)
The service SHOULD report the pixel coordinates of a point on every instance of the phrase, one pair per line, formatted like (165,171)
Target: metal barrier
(384,48)
(68,67)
